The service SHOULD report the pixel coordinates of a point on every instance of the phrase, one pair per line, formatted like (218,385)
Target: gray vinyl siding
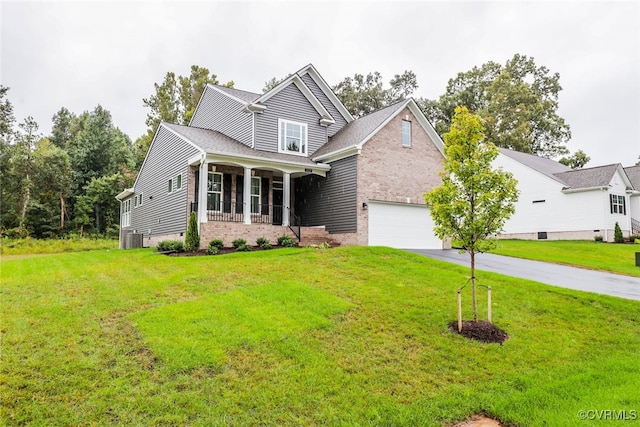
(340,121)
(219,112)
(288,104)
(163,212)
(330,201)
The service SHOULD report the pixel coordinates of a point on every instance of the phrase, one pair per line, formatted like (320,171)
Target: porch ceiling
(292,168)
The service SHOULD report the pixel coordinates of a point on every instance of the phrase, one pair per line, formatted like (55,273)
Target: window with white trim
(170,185)
(617,204)
(179,182)
(406,133)
(126,213)
(214,191)
(140,201)
(293,137)
(135,201)
(256,185)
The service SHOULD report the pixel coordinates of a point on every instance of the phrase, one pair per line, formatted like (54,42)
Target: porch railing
(232,212)
(635,227)
(294,224)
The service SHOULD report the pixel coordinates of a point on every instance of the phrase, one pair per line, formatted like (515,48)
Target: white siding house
(557,202)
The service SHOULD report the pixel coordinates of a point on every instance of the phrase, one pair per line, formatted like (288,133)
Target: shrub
(243,247)
(266,246)
(286,241)
(261,241)
(238,242)
(170,245)
(218,243)
(212,249)
(598,238)
(617,234)
(192,240)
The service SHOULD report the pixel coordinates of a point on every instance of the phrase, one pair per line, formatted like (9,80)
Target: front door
(277,205)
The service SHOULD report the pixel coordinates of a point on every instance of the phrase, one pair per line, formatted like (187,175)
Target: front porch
(238,198)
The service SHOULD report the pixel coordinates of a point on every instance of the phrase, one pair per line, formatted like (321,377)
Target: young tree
(192,239)
(518,103)
(474,200)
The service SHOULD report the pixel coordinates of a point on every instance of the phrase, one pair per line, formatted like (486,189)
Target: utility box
(133,241)
(637,259)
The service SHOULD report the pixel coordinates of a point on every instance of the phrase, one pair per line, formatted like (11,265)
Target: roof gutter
(567,190)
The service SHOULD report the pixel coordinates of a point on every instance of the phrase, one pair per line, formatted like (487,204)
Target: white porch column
(202,192)
(246,198)
(286,197)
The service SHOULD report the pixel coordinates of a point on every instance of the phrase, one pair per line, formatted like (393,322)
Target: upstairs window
(293,137)
(617,204)
(170,185)
(406,133)
(179,182)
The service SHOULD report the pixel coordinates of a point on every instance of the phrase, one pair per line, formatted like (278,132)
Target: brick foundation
(229,231)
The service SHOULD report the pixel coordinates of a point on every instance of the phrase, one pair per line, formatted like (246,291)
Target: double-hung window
(406,133)
(214,191)
(255,194)
(126,213)
(617,204)
(293,137)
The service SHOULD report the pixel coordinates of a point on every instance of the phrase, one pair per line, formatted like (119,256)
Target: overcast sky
(81,54)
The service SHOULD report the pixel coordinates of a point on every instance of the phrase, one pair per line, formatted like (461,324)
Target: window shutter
(239,188)
(265,196)
(624,205)
(611,202)
(226,193)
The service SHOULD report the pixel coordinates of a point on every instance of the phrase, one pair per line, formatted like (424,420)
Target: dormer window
(293,137)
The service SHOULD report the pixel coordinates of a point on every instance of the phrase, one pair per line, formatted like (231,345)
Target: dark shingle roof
(599,176)
(543,165)
(211,141)
(241,94)
(355,132)
(633,172)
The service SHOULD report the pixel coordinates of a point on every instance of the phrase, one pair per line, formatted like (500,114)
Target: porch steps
(315,236)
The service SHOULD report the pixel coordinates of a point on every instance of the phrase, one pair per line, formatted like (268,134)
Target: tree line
(66,182)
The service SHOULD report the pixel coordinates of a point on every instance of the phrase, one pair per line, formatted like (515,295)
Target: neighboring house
(289,161)
(557,202)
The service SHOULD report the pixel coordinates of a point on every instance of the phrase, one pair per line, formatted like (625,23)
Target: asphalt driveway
(552,274)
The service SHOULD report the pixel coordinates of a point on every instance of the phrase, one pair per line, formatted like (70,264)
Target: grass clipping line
(480,331)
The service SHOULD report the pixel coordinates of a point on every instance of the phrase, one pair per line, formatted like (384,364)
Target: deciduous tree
(576,161)
(474,200)
(362,95)
(518,103)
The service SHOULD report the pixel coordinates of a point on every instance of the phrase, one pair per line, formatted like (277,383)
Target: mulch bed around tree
(480,331)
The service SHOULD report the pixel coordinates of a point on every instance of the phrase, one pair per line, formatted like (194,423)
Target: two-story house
(290,161)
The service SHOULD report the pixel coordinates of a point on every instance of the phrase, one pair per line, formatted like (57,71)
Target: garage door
(401,226)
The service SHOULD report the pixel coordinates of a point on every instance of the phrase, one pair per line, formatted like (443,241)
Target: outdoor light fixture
(365,206)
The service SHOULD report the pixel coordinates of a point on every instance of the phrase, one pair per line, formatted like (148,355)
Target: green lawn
(616,258)
(345,336)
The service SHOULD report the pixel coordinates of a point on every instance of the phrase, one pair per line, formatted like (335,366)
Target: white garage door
(401,226)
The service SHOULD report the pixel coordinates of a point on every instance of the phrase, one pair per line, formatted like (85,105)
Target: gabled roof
(241,95)
(213,142)
(350,139)
(295,79)
(326,89)
(633,172)
(542,165)
(599,176)
(571,179)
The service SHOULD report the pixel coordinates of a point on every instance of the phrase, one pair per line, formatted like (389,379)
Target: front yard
(345,336)
(613,257)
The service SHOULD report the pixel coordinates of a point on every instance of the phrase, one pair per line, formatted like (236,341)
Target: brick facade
(387,171)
